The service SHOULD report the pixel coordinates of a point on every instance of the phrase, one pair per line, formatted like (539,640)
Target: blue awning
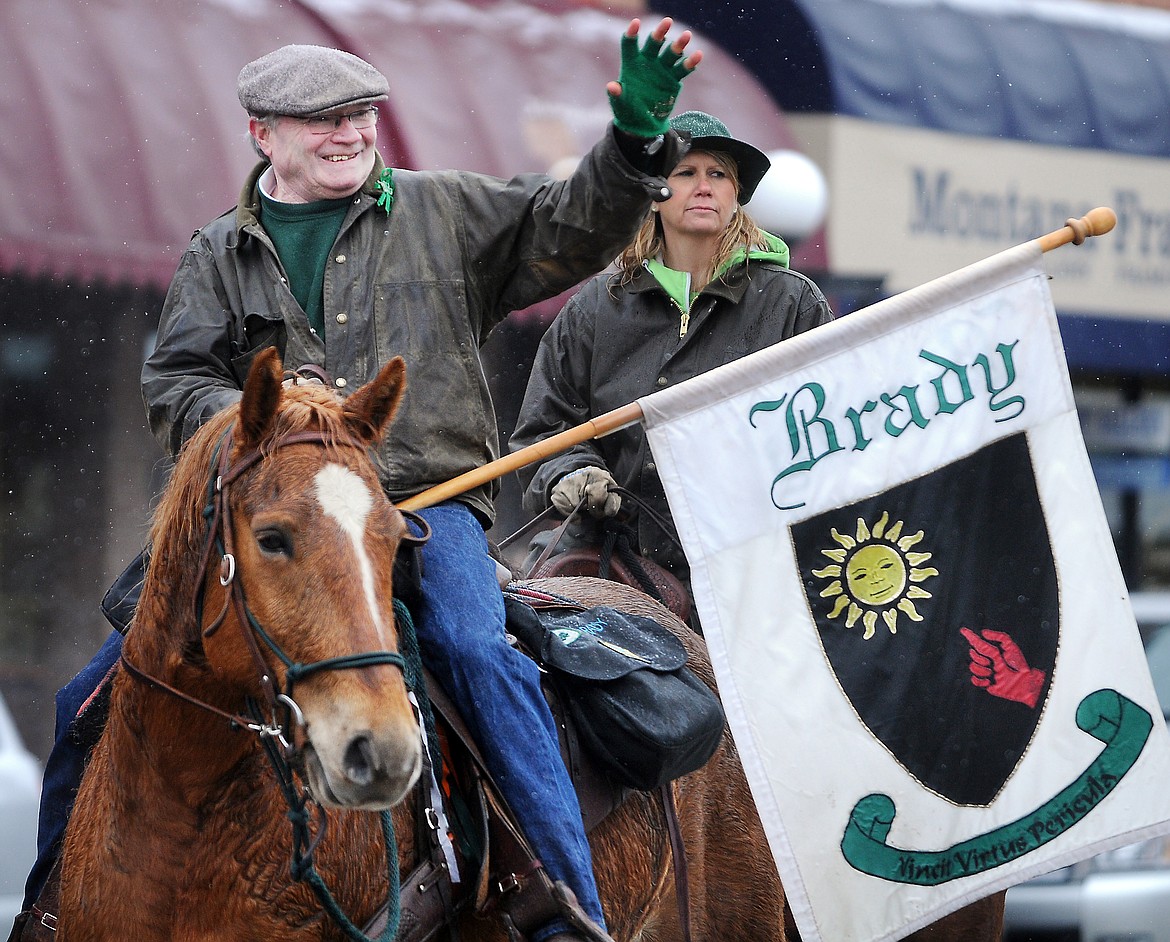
(1073,74)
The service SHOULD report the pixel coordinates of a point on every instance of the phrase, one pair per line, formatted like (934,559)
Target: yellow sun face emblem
(874,573)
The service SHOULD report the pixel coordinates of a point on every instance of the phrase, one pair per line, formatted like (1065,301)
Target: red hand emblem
(998,665)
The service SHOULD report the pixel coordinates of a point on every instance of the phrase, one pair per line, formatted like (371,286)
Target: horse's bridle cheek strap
(220,532)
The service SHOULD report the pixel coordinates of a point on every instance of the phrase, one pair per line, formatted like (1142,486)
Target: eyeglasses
(327,124)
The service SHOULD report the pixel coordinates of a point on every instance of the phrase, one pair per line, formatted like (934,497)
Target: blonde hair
(650,242)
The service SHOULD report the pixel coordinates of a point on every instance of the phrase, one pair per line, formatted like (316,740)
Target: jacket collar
(248,207)
(732,280)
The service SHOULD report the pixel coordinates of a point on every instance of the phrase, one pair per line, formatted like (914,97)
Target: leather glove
(591,483)
(651,78)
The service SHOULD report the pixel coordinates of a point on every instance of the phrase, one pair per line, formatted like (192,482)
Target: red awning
(123,132)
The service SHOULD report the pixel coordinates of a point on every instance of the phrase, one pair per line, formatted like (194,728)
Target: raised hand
(998,665)
(650,80)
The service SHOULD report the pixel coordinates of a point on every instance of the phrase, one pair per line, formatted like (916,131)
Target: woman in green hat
(700,285)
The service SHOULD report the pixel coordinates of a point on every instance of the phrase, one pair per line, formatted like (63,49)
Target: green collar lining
(677,284)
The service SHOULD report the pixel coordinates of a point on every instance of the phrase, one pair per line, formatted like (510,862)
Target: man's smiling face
(312,166)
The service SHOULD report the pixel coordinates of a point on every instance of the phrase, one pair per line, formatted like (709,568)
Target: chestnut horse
(270,584)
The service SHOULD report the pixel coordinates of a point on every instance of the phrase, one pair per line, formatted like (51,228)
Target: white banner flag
(922,636)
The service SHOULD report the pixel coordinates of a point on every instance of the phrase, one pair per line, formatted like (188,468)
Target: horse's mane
(179,526)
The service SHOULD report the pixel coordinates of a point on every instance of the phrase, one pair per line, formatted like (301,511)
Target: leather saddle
(605,549)
(507,878)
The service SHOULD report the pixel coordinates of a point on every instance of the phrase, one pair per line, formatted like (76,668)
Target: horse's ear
(261,398)
(369,410)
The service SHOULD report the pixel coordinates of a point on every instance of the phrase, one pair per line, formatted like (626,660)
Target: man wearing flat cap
(341,263)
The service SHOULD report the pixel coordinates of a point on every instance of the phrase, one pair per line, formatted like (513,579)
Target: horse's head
(300,613)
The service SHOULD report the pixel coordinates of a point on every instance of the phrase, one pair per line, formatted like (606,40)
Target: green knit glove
(651,79)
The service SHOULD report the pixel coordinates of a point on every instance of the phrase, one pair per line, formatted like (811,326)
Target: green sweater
(303,234)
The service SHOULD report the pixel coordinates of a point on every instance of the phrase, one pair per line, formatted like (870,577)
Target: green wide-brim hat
(708,133)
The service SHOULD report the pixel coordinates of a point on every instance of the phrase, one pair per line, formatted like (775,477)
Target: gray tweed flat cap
(306,80)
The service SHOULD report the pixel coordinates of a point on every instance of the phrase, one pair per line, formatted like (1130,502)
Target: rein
(281,747)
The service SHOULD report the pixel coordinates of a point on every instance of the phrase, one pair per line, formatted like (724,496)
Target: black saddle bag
(641,712)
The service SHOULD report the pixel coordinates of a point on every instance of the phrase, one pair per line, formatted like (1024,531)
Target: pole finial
(1094,223)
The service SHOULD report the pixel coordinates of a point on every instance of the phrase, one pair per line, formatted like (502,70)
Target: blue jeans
(72,741)
(460,627)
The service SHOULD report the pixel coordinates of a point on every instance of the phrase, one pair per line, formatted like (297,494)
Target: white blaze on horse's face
(357,754)
(345,497)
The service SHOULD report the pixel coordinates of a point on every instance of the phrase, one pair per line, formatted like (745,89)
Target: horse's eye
(274,543)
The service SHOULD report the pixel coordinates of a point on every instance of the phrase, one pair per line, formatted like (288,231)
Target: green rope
(394,913)
(413,670)
(301,866)
(461,816)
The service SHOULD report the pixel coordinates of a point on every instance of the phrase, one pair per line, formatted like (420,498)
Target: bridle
(220,539)
(280,746)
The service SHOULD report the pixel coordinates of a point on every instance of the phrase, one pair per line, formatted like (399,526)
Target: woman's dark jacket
(612,344)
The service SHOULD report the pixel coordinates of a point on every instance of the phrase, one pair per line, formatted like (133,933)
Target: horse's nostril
(360,760)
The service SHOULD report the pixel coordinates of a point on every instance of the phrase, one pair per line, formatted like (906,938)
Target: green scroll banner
(1106,715)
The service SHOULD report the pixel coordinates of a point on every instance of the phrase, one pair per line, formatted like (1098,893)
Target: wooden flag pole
(545,448)
(1095,222)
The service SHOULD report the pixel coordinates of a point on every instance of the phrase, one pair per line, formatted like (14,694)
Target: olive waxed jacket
(455,255)
(613,344)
